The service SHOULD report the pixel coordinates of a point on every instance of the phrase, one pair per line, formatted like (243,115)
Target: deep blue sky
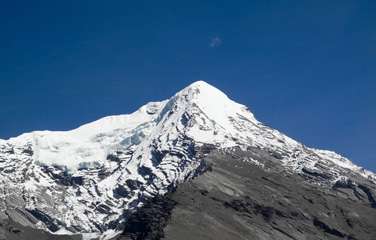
(307,68)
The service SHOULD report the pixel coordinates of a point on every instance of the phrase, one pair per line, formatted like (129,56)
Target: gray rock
(236,199)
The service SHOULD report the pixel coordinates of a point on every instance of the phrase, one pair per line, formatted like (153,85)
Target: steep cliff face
(91,179)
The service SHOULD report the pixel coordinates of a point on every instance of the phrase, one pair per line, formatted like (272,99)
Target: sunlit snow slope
(87,179)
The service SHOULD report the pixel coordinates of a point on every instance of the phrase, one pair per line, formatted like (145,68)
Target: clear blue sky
(307,68)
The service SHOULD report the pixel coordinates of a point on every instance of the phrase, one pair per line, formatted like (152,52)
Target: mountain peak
(119,161)
(201,87)
(214,103)
(199,84)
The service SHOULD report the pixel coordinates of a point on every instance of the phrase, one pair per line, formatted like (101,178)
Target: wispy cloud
(215,42)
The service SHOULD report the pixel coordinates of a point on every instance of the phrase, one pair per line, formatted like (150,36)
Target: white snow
(196,115)
(215,104)
(110,234)
(88,145)
(62,231)
(218,120)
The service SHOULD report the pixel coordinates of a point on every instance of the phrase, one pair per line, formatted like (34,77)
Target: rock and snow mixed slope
(86,180)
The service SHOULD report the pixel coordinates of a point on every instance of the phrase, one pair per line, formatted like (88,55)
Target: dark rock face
(133,184)
(150,220)
(61,176)
(120,192)
(231,194)
(232,198)
(12,229)
(113,157)
(50,223)
(28,151)
(370,195)
(329,230)
(315,173)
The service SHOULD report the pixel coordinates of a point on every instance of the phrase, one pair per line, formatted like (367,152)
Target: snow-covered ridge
(90,143)
(85,178)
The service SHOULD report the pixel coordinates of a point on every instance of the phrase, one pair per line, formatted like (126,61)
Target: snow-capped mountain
(88,179)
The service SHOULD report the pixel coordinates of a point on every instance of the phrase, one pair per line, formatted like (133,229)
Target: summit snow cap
(214,103)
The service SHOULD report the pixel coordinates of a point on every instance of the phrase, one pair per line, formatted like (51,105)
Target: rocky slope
(89,181)
(236,199)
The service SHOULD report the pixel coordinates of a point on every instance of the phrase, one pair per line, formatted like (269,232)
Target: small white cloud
(215,42)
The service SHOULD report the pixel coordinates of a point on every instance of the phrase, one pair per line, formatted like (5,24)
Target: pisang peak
(86,179)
